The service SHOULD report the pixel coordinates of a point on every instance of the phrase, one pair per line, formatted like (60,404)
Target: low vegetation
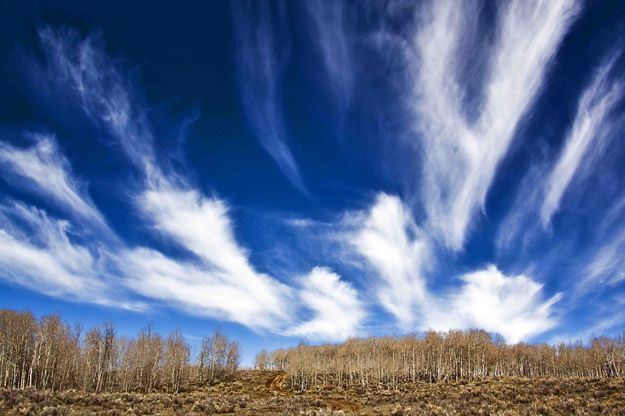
(252,393)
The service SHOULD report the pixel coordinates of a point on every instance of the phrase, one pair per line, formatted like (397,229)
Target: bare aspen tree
(99,357)
(262,361)
(233,359)
(176,359)
(218,358)
(17,336)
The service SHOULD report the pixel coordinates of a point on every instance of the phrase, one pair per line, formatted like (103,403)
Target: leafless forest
(47,353)
(49,367)
(454,355)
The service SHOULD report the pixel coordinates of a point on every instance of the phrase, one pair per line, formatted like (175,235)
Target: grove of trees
(47,353)
(433,357)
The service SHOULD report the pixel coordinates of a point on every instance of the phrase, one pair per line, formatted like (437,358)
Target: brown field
(263,393)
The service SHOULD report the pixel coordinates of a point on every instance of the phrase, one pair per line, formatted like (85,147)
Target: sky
(315,171)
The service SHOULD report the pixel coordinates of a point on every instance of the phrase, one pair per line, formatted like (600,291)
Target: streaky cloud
(173,208)
(389,240)
(518,229)
(400,256)
(508,305)
(604,318)
(337,310)
(78,66)
(45,169)
(460,155)
(263,49)
(200,290)
(329,34)
(219,269)
(604,266)
(592,123)
(545,184)
(203,227)
(36,252)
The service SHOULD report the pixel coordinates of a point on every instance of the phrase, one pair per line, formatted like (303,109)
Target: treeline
(454,355)
(47,353)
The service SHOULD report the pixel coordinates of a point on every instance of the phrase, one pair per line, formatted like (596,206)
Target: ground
(264,393)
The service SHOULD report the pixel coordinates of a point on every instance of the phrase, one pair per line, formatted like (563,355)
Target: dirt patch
(276,382)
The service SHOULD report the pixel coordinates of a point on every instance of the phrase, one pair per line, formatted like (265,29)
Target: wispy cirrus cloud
(544,187)
(330,35)
(604,266)
(43,168)
(263,50)
(470,77)
(217,270)
(607,263)
(387,237)
(511,306)
(461,154)
(337,310)
(202,226)
(401,258)
(592,123)
(80,70)
(173,208)
(36,252)
(73,259)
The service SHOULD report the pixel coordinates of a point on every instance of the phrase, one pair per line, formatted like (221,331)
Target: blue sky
(315,170)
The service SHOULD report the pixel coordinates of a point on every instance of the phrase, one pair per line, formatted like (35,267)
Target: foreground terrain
(263,393)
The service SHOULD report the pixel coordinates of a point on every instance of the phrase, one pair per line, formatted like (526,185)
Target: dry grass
(252,394)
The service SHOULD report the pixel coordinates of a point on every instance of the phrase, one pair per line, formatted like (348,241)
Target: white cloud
(337,310)
(264,47)
(517,229)
(36,252)
(592,122)
(199,224)
(399,255)
(330,36)
(80,68)
(219,282)
(44,168)
(204,291)
(543,188)
(203,227)
(461,156)
(605,264)
(509,305)
(389,240)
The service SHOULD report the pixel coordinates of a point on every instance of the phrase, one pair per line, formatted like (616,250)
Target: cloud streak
(461,155)
(544,187)
(329,34)
(336,307)
(466,75)
(507,305)
(592,123)
(387,237)
(263,50)
(400,256)
(215,278)
(36,252)
(43,168)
